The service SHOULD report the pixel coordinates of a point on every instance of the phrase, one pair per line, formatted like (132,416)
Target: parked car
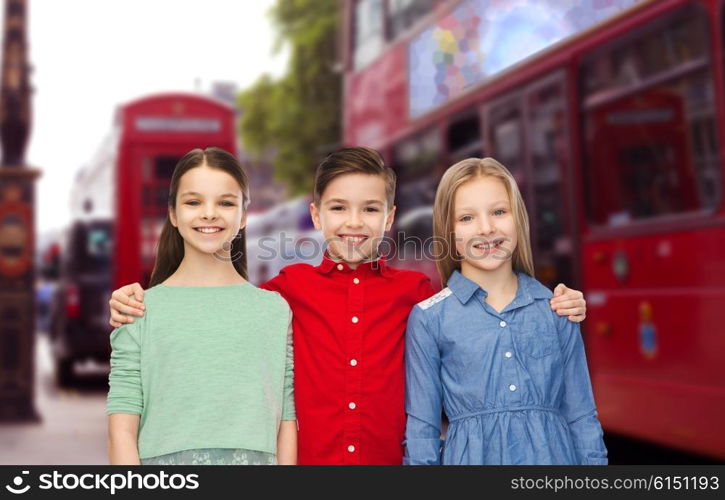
(79,328)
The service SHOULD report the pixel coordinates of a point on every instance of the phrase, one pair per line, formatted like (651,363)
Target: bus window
(402,14)
(549,156)
(650,55)
(417,162)
(368,32)
(464,138)
(505,137)
(650,147)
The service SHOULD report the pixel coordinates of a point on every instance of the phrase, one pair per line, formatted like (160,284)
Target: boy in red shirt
(349,318)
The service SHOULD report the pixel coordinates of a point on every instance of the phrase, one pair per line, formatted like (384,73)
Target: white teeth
(486,245)
(208,229)
(353,239)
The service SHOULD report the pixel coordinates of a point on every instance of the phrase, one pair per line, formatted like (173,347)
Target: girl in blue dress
(488,350)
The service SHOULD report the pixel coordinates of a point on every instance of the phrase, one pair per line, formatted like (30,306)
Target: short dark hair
(355,160)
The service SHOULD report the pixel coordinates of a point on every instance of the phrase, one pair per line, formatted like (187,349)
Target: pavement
(73,426)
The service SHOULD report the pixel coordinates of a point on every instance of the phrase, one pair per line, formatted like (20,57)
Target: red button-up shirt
(349,332)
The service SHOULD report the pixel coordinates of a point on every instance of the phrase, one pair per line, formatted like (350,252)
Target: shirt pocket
(537,341)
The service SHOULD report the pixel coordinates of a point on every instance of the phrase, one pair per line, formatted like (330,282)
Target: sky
(88,56)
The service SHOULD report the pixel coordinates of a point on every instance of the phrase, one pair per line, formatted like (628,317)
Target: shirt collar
(462,287)
(528,290)
(379,265)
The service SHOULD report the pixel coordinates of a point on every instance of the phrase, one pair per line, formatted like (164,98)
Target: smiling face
(484,224)
(209,210)
(353,215)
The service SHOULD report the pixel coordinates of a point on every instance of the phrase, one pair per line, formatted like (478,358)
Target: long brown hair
(170,251)
(444,235)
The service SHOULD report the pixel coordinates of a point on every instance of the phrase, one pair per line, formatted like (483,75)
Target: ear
(243,222)
(315,214)
(172,217)
(389,220)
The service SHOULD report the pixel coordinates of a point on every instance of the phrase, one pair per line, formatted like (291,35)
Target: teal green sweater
(205,367)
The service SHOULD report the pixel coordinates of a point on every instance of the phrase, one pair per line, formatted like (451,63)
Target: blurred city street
(609,115)
(72,430)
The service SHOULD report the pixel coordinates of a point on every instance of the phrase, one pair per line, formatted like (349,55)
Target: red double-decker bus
(119,203)
(611,115)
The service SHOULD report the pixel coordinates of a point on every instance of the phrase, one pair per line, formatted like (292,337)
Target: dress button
(355,319)
(340,267)
(512,388)
(503,323)
(351,448)
(356,281)
(353,362)
(352,406)
(508,354)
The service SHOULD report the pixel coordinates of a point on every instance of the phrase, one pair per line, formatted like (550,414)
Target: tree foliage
(297,117)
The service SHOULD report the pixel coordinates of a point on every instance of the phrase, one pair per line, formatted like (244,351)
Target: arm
(122,439)
(287,443)
(124,404)
(125,302)
(568,302)
(577,405)
(423,394)
(287,433)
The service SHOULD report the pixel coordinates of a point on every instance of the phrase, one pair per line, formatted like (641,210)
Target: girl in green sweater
(206,375)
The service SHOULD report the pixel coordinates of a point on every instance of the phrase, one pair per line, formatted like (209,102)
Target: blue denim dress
(514,385)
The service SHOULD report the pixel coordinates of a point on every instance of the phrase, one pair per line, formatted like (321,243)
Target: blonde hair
(444,242)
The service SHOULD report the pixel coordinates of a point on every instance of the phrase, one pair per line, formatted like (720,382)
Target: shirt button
(353,362)
(352,406)
(356,281)
(351,448)
(508,354)
(355,319)
(512,388)
(503,323)
(340,267)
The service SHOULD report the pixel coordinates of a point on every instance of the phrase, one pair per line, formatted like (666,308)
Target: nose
(209,212)
(485,225)
(354,220)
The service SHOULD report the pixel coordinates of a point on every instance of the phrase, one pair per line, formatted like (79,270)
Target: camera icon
(18,482)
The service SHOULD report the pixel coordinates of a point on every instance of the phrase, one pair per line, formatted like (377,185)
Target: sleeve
(577,405)
(425,289)
(288,402)
(423,394)
(277,284)
(125,394)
